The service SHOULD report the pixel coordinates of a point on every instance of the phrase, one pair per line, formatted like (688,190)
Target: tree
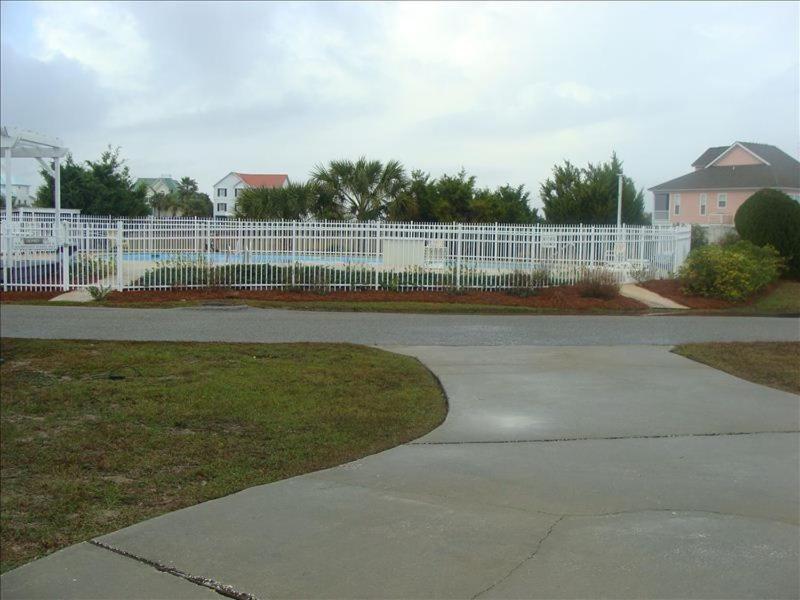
(198,205)
(103,187)
(456,198)
(589,195)
(506,204)
(295,201)
(771,217)
(162,203)
(363,189)
(187,187)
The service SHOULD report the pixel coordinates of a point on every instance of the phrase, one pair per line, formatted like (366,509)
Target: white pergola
(20,143)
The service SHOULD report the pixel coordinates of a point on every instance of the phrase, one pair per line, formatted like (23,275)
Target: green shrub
(770,217)
(732,272)
(699,236)
(598,283)
(730,238)
(99,293)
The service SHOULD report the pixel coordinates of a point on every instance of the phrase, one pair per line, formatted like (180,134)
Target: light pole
(619,201)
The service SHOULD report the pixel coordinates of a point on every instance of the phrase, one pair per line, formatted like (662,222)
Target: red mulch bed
(16,296)
(671,288)
(562,297)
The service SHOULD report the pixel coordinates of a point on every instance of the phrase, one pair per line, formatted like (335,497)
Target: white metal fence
(149,253)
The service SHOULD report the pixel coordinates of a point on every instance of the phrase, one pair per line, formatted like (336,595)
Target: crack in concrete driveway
(559,472)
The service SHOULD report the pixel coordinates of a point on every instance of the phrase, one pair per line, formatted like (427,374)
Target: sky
(505,91)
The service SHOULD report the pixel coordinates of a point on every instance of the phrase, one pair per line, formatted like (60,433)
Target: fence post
(458,257)
(119,254)
(6,230)
(294,250)
(64,245)
(377,250)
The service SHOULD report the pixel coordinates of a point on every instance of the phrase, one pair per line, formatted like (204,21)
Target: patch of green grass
(785,298)
(99,435)
(776,364)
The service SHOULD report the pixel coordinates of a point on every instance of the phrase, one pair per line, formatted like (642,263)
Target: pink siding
(690,206)
(737,156)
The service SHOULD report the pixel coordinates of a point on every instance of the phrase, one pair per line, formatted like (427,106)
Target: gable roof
(263,180)
(782,171)
(171,184)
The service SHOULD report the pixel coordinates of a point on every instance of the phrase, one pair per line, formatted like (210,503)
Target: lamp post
(619,201)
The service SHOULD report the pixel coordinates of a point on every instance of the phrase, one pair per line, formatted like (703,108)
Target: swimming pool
(221,258)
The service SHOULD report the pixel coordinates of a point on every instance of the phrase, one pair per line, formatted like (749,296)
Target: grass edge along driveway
(774,364)
(97,436)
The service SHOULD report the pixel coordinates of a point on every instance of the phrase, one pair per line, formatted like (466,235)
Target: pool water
(221,258)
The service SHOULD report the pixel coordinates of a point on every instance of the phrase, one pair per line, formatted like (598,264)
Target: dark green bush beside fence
(732,272)
(770,217)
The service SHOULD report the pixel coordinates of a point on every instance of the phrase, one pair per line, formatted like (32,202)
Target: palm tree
(362,188)
(294,201)
(187,187)
(161,203)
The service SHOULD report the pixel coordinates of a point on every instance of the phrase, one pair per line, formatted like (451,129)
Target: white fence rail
(136,254)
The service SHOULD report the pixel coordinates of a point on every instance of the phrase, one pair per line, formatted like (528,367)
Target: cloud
(504,89)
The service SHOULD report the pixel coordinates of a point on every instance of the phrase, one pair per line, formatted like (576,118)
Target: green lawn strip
(99,435)
(785,298)
(775,364)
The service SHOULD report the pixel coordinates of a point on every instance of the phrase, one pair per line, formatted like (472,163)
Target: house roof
(171,184)
(783,171)
(263,180)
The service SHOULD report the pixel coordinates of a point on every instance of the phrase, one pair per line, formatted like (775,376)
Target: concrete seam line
(618,437)
(523,561)
(220,588)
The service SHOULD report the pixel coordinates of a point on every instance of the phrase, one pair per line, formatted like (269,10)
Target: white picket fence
(164,253)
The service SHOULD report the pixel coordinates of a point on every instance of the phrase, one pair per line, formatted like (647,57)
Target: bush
(770,217)
(699,236)
(598,283)
(99,293)
(729,239)
(642,273)
(732,272)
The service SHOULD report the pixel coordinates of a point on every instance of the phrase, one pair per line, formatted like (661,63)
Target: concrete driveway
(623,472)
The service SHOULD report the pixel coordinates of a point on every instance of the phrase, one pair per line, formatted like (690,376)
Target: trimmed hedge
(770,217)
(732,272)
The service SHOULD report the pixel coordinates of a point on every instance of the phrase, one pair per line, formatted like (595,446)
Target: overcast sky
(504,90)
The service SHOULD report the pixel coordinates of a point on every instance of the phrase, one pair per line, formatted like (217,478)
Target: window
(795,197)
(676,202)
(222,192)
(236,192)
(222,207)
(703,204)
(722,200)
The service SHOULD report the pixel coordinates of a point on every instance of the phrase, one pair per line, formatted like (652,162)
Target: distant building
(723,178)
(20,192)
(227,189)
(158,185)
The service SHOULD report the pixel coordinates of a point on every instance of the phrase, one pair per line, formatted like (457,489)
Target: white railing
(150,253)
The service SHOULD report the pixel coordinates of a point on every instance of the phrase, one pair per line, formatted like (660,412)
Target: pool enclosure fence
(164,253)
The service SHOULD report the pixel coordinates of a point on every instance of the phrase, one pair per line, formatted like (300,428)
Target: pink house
(723,178)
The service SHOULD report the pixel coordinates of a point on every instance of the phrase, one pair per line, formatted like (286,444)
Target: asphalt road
(245,324)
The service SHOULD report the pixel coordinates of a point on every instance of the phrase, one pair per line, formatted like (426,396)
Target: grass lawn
(776,364)
(99,435)
(784,299)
